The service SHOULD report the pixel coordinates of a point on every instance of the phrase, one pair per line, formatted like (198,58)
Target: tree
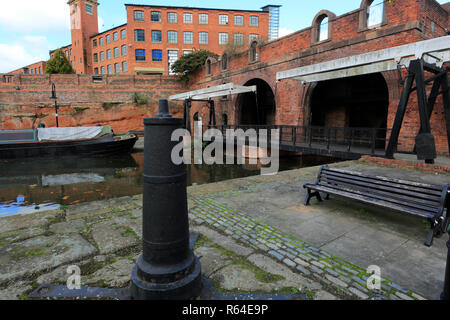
(59,64)
(189,63)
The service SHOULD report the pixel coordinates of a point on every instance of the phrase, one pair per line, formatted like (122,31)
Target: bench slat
(378,202)
(434,187)
(391,183)
(403,195)
(385,198)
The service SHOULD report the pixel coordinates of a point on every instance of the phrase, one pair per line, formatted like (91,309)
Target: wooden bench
(426,201)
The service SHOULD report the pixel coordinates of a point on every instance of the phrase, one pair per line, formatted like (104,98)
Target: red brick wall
(25,102)
(408,21)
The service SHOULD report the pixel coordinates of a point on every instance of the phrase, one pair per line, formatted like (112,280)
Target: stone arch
(259,109)
(364,14)
(316,26)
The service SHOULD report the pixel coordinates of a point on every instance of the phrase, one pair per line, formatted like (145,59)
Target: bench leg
(435,231)
(310,194)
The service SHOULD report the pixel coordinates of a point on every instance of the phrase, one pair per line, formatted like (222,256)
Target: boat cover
(72,133)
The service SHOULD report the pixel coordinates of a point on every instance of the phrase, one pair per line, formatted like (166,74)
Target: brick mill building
(154,37)
(364,97)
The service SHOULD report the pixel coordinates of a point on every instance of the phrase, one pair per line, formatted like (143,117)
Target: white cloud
(34,15)
(285,31)
(13,57)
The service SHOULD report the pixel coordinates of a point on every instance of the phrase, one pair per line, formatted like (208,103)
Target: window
(223,19)
(115,36)
(101,42)
(203,38)
(155,16)
(95,57)
(254,21)
(116,68)
(116,52)
(124,66)
(375,14)
(124,50)
(139,35)
(110,69)
(223,38)
(140,54)
(123,34)
(95,70)
(172,17)
(208,67)
(102,56)
(67,53)
(94,43)
(253,52)
(157,55)
(172,57)
(88,8)
(188,37)
(432,28)
(139,15)
(172,37)
(187,18)
(238,20)
(108,54)
(40,70)
(239,39)
(323,29)
(252,37)
(108,38)
(203,18)
(224,62)
(103,70)
(156,36)
(70,51)
(185,52)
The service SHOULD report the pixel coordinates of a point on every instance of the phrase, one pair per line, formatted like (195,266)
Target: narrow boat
(66,141)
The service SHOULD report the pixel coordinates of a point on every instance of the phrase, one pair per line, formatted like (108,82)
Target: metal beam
(371,62)
(212,92)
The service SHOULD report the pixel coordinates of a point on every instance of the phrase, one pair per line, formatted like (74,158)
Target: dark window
(95,57)
(94,43)
(139,35)
(155,16)
(140,54)
(157,55)
(95,70)
(139,15)
(156,36)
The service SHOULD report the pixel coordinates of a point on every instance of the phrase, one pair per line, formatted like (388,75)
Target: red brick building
(35,68)
(156,36)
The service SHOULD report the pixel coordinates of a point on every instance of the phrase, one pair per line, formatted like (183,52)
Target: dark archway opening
(354,102)
(257,109)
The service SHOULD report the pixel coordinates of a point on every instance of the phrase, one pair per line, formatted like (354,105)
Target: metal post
(446,293)
(167,268)
(56,106)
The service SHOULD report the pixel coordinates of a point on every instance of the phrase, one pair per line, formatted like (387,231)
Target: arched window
(208,67)
(323,29)
(322,26)
(373,14)
(225,119)
(224,62)
(253,54)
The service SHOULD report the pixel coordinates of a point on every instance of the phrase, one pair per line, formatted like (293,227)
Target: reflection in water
(29,186)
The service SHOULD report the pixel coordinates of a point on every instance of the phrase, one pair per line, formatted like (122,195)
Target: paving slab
(110,239)
(41,253)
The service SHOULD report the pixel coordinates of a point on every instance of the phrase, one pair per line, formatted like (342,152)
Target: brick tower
(84,24)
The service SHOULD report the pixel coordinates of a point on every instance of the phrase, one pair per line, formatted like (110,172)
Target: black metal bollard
(167,268)
(446,293)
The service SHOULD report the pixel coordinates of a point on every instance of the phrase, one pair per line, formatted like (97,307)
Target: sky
(30,28)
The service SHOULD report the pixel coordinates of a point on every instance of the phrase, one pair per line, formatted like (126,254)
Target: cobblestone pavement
(292,252)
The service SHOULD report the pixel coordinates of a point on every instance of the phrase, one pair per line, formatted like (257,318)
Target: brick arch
(316,25)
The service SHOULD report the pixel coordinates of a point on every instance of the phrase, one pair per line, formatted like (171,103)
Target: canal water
(31,185)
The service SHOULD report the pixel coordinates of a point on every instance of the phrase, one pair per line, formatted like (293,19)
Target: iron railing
(370,141)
